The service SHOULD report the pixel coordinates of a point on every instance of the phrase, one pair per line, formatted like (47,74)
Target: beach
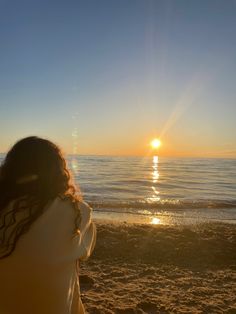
(137,268)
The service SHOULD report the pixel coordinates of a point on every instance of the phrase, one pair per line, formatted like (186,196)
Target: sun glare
(155,221)
(156,143)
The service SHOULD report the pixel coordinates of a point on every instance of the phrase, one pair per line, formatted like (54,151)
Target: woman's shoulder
(70,202)
(74,207)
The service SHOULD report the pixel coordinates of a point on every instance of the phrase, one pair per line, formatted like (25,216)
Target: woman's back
(40,274)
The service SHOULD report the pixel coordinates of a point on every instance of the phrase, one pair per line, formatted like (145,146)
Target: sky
(106,77)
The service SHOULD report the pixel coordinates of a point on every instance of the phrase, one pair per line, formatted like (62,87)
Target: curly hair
(32,175)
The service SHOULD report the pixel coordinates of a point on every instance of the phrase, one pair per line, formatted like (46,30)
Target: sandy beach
(161,269)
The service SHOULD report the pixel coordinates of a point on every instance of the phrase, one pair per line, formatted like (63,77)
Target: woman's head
(33,173)
(35,167)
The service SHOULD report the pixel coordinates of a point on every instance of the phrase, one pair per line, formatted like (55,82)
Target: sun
(156,143)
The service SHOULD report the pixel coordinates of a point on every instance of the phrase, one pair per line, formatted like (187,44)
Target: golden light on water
(155,221)
(155,143)
(155,173)
(155,161)
(154,197)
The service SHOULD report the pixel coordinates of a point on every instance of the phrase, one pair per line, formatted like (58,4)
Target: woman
(45,228)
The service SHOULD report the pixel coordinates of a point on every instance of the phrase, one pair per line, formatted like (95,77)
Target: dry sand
(161,269)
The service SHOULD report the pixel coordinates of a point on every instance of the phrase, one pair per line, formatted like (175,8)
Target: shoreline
(137,268)
(168,218)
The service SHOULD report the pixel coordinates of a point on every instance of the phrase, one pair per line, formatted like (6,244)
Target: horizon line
(147,155)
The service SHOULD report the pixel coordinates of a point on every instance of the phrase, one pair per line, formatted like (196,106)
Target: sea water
(157,189)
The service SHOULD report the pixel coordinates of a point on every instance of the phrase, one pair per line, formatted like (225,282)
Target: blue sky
(126,70)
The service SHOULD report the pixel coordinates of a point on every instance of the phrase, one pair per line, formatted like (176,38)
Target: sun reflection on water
(155,176)
(155,160)
(156,221)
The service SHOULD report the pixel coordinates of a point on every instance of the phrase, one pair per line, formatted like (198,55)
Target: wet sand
(161,269)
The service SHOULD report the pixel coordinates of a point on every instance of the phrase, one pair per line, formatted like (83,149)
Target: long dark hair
(32,175)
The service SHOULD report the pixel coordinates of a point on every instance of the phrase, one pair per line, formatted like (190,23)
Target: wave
(168,204)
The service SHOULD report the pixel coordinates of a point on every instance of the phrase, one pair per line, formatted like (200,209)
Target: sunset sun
(155,143)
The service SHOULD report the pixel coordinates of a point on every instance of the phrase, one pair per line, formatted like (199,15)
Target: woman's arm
(86,234)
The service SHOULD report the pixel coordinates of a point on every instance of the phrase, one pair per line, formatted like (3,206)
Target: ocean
(156,189)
